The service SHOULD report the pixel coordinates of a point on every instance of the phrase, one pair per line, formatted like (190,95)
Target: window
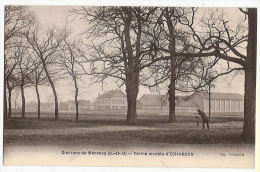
(222,105)
(236,105)
(232,105)
(227,106)
(217,104)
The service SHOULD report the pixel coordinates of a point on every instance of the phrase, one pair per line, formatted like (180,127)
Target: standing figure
(204,118)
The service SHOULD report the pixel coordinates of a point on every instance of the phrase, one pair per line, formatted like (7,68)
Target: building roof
(112,93)
(216,95)
(151,100)
(162,100)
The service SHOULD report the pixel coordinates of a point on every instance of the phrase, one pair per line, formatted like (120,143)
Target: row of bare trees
(36,56)
(149,46)
(183,43)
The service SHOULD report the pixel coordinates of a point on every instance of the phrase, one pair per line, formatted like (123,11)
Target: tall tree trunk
(38,101)
(56,113)
(209,99)
(9,100)
(55,99)
(250,79)
(5,101)
(172,86)
(171,91)
(131,91)
(23,99)
(132,69)
(76,99)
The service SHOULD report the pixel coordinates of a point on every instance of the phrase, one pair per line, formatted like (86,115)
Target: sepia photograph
(120,86)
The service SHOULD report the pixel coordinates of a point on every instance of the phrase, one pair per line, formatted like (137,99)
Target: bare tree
(250,77)
(15,97)
(172,48)
(71,63)
(212,36)
(217,41)
(38,78)
(229,42)
(10,65)
(182,73)
(12,82)
(46,47)
(122,52)
(21,70)
(16,20)
(123,47)
(25,67)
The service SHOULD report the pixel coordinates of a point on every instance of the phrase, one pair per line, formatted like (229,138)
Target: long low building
(33,107)
(150,103)
(67,106)
(220,102)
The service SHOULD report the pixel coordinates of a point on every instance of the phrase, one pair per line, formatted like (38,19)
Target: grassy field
(30,141)
(111,131)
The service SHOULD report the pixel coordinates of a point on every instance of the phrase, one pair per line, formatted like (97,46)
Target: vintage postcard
(129,85)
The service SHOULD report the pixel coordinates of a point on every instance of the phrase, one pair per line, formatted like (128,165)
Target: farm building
(85,105)
(150,103)
(33,107)
(111,100)
(220,102)
(69,106)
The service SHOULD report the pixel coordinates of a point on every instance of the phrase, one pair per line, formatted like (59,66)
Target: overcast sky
(48,16)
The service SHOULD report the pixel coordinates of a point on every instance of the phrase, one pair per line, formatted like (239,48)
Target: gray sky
(48,16)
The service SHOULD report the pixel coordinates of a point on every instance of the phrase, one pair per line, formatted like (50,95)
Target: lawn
(111,131)
(41,142)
